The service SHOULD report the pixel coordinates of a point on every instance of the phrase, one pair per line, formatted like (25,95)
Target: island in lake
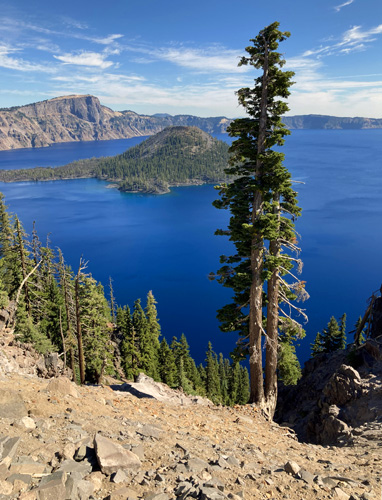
(175,156)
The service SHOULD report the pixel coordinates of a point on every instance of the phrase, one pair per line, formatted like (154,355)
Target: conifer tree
(9,267)
(130,343)
(147,359)
(342,336)
(112,301)
(289,370)
(212,376)
(153,332)
(234,383)
(244,390)
(332,338)
(196,379)
(317,347)
(224,368)
(66,280)
(167,366)
(95,316)
(263,207)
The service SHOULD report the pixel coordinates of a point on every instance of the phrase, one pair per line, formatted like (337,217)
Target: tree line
(66,311)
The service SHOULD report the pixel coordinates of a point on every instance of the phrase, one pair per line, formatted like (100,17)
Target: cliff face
(330,122)
(83,118)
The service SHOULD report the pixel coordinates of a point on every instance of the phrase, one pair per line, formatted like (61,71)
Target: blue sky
(181,57)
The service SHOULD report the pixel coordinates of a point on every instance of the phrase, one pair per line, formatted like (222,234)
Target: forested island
(174,156)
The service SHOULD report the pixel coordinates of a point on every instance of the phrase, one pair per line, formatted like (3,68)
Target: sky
(176,57)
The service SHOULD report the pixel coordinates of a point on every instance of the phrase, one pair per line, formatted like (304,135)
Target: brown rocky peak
(84,107)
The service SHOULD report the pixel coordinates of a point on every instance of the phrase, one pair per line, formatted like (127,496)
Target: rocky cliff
(339,398)
(83,118)
(330,122)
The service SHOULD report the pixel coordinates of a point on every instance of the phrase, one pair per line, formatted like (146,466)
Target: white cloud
(91,59)
(203,60)
(10,62)
(107,40)
(214,59)
(337,8)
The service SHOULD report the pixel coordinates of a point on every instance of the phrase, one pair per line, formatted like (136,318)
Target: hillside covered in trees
(60,310)
(176,155)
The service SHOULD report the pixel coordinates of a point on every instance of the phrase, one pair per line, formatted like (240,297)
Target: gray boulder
(112,456)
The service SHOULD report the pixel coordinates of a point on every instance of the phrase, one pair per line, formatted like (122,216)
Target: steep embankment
(83,118)
(176,155)
(64,442)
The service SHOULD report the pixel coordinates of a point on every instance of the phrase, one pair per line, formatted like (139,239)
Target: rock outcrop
(83,118)
(338,399)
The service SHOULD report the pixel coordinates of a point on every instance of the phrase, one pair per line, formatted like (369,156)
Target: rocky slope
(339,398)
(60,441)
(83,118)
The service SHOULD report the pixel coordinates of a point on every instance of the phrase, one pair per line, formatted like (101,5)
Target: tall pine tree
(263,207)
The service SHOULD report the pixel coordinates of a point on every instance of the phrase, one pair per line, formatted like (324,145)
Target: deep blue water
(63,153)
(166,243)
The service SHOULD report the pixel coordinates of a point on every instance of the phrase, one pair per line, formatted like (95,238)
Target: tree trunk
(256,291)
(272,323)
(255,323)
(67,311)
(81,359)
(23,267)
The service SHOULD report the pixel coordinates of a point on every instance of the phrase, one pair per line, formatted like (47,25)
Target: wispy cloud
(213,58)
(90,59)
(337,8)
(344,96)
(7,60)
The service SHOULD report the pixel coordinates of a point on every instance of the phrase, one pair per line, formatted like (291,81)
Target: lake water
(166,243)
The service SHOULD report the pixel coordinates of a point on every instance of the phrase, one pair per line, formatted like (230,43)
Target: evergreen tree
(153,332)
(330,335)
(224,369)
(147,355)
(167,366)
(318,346)
(234,383)
(66,280)
(289,370)
(112,301)
(95,316)
(244,390)
(26,331)
(212,376)
(332,338)
(129,345)
(196,379)
(263,207)
(183,380)
(9,263)
(342,337)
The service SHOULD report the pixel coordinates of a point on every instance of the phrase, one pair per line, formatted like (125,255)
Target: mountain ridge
(84,118)
(78,117)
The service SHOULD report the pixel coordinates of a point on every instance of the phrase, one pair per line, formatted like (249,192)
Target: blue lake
(166,243)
